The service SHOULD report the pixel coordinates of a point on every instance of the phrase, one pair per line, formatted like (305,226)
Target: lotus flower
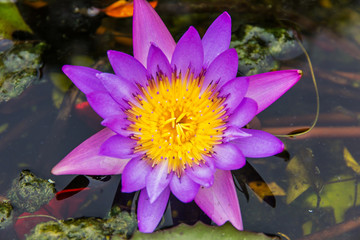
(174,117)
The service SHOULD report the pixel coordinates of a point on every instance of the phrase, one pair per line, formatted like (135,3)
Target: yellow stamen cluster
(174,120)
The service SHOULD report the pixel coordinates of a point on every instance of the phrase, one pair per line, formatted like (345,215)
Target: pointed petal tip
(148,27)
(266,88)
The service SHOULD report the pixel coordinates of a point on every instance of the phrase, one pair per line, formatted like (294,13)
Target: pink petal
(84,78)
(85,159)
(188,53)
(127,67)
(266,88)
(184,188)
(234,91)
(118,146)
(134,175)
(201,174)
(232,133)
(223,68)
(217,38)
(149,28)
(149,213)
(220,201)
(120,89)
(104,105)
(157,61)
(260,144)
(157,180)
(228,156)
(243,114)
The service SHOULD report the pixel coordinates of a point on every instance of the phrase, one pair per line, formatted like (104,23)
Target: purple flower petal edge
(149,214)
(85,159)
(217,38)
(220,201)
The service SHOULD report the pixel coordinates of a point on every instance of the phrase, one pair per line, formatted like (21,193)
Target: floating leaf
(200,231)
(350,161)
(123,9)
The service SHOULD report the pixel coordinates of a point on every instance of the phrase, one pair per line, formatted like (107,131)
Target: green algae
(118,225)
(29,192)
(6,214)
(260,49)
(19,67)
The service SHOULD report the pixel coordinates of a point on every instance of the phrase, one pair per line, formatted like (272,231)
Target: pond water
(313,186)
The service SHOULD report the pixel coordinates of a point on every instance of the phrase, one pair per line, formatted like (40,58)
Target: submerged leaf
(264,190)
(11,20)
(201,231)
(340,195)
(251,177)
(350,161)
(302,174)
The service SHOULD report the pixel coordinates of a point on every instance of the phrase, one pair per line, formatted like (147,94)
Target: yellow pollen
(174,120)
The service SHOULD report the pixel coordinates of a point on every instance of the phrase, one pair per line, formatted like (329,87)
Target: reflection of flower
(177,111)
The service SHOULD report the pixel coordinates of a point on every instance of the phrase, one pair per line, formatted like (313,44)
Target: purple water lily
(174,117)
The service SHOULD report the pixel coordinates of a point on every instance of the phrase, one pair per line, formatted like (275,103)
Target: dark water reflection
(39,134)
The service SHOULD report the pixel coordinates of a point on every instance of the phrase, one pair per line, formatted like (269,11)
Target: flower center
(174,121)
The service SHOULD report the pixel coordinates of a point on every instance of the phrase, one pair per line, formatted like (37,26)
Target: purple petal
(104,105)
(243,114)
(118,146)
(127,67)
(220,201)
(201,174)
(84,78)
(120,89)
(266,88)
(118,124)
(157,180)
(232,133)
(157,61)
(188,53)
(150,213)
(234,91)
(85,159)
(223,68)
(184,188)
(134,175)
(260,144)
(228,156)
(217,38)
(149,28)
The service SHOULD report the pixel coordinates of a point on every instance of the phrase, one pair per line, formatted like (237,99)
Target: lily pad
(201,231)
